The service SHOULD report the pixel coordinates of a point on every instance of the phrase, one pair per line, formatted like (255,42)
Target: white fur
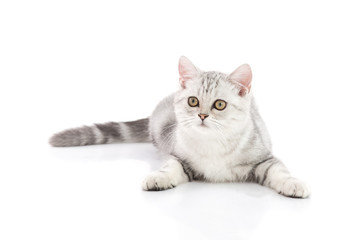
(169,176)
(229,145)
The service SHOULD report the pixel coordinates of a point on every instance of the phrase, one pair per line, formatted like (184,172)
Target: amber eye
(193,102)
(220,104)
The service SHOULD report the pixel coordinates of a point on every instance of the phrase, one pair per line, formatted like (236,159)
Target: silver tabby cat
(209,130)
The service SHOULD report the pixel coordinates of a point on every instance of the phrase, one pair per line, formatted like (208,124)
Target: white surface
(68,63)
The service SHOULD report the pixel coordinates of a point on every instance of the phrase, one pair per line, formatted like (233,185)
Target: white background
(68,63)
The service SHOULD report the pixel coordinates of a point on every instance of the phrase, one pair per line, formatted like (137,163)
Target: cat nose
(203,116)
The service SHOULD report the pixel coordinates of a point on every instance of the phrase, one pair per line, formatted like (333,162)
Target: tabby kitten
(209,130)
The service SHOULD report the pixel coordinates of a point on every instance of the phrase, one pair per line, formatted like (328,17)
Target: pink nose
(203,116)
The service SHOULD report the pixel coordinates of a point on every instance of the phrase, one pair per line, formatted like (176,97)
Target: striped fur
(111,132)
(230,145)
(234,145)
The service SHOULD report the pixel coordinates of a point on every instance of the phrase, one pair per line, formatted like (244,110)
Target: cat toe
(295,188)
(157,181)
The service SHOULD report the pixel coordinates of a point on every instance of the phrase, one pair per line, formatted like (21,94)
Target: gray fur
(252,176)
(230,145)
(73,137)
(139,130)
(189,171)
(168,129)
(235,146)
(110,131)
(266,173)
(103,133)
(210,80)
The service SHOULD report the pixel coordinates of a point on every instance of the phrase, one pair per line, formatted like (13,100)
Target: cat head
(212,100)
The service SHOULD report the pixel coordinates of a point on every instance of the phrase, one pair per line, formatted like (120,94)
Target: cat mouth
(203,125)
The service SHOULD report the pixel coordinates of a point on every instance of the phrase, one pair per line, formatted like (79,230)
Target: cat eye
(220,104)
(193,102)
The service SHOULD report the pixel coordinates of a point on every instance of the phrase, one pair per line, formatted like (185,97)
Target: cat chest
(214,169)
(217,168)
(213,161)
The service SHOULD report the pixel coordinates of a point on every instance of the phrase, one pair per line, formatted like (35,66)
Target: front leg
(169,176)
(273,173)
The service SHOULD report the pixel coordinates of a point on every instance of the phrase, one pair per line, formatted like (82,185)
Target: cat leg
(272,173)
(170,175)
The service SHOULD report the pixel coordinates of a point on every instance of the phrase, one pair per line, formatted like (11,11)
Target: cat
(209,130)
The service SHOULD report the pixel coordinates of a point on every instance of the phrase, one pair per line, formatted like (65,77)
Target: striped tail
(111,132)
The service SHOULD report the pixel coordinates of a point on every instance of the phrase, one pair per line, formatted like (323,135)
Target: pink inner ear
(244,91)
(182,82)
(187,70)
(242,78)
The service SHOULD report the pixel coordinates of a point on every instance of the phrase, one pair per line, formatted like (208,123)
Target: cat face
(210,100)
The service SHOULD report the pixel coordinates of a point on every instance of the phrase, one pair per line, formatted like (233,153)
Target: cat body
(209,130)
(211,158)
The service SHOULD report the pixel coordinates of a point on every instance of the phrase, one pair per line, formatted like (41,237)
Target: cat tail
(111,132)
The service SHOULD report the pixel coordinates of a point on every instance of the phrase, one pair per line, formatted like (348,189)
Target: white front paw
(293,187)
(157,181)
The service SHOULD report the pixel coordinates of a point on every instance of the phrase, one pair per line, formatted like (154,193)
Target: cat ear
(187,70)
(242,77)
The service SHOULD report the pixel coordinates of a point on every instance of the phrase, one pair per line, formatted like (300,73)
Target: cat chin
(202,128)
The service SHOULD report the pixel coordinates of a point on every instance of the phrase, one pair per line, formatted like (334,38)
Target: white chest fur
(216,161)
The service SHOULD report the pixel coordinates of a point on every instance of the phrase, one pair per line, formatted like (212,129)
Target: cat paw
(157,181)
(295,188)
